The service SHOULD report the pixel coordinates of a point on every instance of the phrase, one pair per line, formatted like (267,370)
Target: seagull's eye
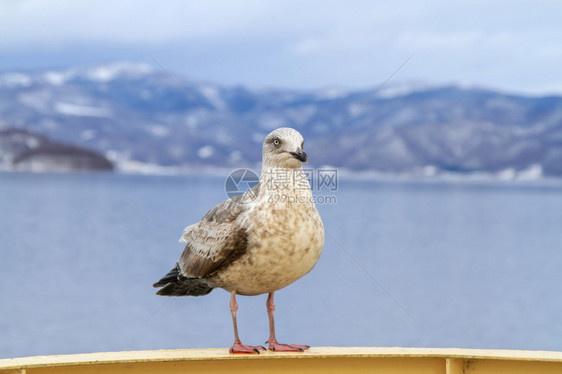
(276,142)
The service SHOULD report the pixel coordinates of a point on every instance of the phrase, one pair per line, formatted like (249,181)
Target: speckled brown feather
(215,241)
(229,248)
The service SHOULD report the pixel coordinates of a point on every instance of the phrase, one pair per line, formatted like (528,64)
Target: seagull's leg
(238,347)
(272,341)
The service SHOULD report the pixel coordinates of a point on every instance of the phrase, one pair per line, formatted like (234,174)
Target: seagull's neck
(293,181)
(268,172)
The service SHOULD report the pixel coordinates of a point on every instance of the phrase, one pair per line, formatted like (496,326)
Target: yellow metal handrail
(316,360)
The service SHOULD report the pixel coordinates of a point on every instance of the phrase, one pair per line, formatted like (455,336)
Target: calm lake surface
(452,265)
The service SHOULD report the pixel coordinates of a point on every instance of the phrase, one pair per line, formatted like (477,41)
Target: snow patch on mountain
(13,80)
(109,72)
(213,94)
(206,151)
(82,110)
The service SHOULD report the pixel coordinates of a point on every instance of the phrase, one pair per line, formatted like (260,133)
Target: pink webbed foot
(239,348)
(278,347)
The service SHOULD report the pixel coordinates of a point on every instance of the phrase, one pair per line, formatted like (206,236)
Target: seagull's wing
(217,240)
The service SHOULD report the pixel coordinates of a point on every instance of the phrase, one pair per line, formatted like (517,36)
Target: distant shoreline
(343,174)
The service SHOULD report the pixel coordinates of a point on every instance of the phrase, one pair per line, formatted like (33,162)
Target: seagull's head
(282,148)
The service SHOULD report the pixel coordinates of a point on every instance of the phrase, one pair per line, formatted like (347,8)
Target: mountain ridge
(137,112)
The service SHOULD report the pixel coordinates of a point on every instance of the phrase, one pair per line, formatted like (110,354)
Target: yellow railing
(316,360)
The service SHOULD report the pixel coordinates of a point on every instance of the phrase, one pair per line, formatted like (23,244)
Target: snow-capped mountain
(138,112)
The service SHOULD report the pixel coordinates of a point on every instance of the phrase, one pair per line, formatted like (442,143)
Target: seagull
(255,243)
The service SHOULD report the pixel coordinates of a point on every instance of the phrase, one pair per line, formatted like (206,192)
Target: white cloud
(122,20)
(434,40)
(296,44)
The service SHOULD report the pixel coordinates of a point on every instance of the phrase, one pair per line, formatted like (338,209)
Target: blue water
(452,265)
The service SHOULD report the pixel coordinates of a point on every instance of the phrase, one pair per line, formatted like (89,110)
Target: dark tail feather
(173,275)
(187,287)
(176,284)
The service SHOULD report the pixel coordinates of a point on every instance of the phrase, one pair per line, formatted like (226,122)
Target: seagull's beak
(300,155)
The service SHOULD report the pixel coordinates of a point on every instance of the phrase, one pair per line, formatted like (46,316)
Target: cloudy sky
(509,45)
